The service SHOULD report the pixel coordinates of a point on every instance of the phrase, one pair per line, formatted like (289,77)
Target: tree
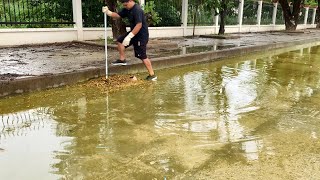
(318,15)
(222,8)
(291,12)
(223,13)
(118,26)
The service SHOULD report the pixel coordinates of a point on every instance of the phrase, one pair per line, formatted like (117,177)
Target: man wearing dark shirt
(138,35)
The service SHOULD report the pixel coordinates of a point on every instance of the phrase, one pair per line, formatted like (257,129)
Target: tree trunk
(118,26)
(318,15)
(195,19)
(291,17)
(222,17)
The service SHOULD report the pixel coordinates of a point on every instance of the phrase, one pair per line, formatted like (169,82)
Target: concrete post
(184,17)
(314,15)
(216,23)
(142,3)
(184,50)
(77,18)
(274,14)
(259,13)
(306,16)
(240,15)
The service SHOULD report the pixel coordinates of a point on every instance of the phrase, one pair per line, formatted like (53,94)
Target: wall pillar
(184,17)
(259,13)
(77,18)
(314,16)
(306,16)
(240,15)
(142,3)
(216,23)
(274,14)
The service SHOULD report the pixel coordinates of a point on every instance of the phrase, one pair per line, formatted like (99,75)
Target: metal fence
(169,11)
(198,14)
(91,13)
(36,13)
(266,14)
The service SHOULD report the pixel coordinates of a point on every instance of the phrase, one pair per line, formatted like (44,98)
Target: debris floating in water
(115,82)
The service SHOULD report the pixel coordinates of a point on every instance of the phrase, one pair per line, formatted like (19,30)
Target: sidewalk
(36,67)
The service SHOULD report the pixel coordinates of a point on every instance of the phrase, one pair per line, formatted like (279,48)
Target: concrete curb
(115,47)
(31,84)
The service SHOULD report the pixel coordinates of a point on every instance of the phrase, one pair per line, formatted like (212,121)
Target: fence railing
(36,13)
(91,13)
(21,123)
(59,13)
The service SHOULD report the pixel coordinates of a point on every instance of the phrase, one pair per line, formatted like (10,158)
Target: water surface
(243,118)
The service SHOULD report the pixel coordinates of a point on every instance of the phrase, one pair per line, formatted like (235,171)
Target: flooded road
(255,117)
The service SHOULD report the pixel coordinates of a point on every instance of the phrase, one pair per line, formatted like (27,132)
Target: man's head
(128,4)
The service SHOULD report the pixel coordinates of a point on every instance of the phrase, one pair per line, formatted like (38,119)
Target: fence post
(259,13)
(274,14)
(306,16)
(77,17)
(314,15)
(240,15)
(184,17)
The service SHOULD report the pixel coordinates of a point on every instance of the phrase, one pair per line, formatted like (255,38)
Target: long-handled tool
(106,42)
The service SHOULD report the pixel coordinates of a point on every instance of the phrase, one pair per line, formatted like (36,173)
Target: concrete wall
(10,37)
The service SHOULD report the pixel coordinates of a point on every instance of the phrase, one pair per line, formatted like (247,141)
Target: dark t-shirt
(135,16)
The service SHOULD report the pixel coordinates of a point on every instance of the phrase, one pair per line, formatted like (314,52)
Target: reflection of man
(138,36)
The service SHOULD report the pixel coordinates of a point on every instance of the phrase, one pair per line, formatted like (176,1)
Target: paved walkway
(49,60)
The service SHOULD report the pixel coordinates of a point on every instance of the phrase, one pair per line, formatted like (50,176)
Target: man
(138,36)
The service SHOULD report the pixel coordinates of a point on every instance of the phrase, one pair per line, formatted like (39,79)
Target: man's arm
(114,15)
(137,28)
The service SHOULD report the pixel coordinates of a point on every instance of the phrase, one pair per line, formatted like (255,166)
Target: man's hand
(106,10)
(127,39)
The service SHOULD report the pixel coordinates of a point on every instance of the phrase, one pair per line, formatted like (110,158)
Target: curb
(31,84)
(115,47)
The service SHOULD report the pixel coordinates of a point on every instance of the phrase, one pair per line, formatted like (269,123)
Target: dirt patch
(115,82)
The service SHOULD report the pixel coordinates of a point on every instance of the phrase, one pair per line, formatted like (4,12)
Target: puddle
(255,116)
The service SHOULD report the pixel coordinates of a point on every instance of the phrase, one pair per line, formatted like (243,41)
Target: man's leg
(148,65)
(140,50)
(121,50)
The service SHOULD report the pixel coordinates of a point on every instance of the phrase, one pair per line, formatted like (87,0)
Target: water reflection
(27,140)
(195,122)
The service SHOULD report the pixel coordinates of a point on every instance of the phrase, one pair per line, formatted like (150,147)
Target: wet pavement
(47,59)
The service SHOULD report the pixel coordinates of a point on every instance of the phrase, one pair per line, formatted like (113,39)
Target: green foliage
(312,3)
(168,13)
(151,15)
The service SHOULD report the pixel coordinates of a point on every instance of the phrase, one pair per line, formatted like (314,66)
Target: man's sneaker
(151,78)
(119,62)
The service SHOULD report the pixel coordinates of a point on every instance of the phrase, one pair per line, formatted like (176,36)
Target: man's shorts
(139,46)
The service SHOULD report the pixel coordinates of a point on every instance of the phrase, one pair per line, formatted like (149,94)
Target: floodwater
(254,117)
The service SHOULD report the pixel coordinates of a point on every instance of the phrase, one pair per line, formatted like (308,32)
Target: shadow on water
(231,118)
